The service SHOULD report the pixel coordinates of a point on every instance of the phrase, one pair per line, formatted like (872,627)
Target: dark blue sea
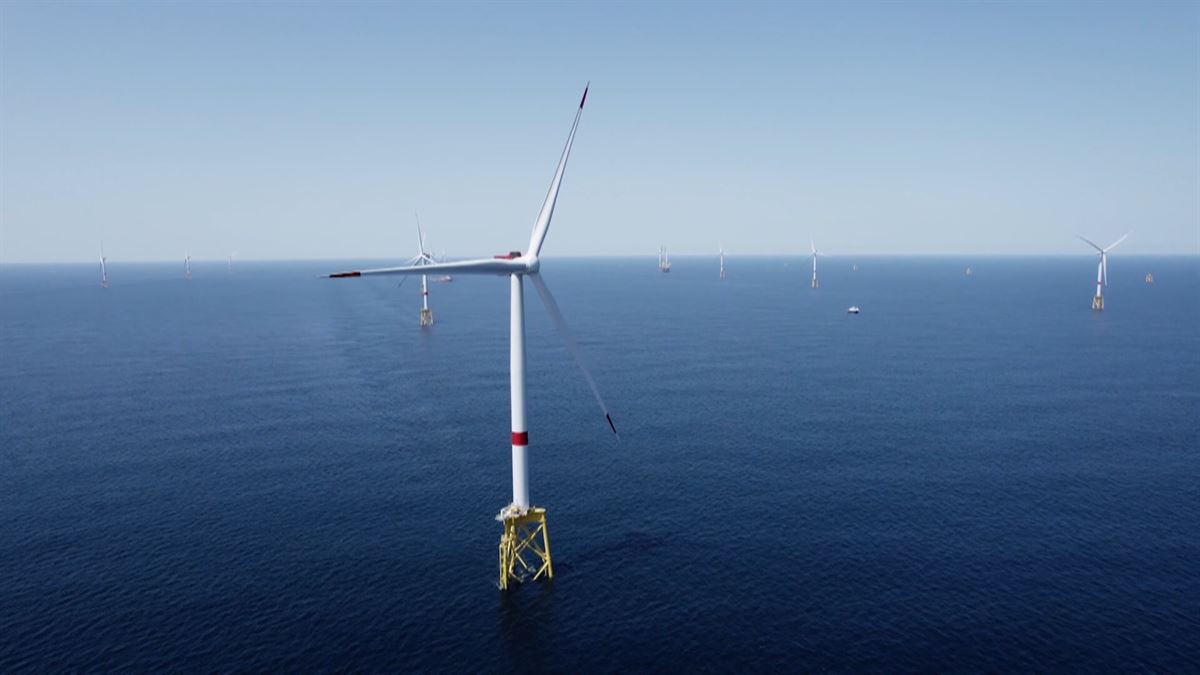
(267,471)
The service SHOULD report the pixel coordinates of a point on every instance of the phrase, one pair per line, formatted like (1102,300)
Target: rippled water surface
(268,471)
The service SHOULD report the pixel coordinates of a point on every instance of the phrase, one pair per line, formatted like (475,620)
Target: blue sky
(310,130)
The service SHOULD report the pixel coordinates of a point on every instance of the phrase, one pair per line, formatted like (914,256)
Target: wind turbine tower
(524,543)
(664,260)
(722,250)
(187,266)
(1102,271)
(423,258)
(103,268)
(815,253)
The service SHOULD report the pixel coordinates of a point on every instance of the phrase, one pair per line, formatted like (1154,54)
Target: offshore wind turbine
(524,524)
(423,258)
(1102,270)
(814,255)
(103,268)
(722,250)
(187,266)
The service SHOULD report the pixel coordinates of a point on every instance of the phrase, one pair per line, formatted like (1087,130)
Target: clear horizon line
(799,255)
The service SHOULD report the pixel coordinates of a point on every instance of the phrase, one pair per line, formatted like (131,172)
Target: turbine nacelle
(531,262)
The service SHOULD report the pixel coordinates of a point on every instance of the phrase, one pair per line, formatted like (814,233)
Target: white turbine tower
(722,250)
(1102,270)
(814,255)
(423,258)
(187,266)
(103,268)
(664,260)
(523,523)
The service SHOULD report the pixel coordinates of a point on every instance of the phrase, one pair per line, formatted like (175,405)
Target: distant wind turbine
(814,255)
(103,268)
(1102,270)
(423,258)
(721,248)
(187,266)
(523,523)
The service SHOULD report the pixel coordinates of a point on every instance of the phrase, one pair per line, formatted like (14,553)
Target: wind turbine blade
(1091,243)
(812,244)
(572,346)
(1114,244)
(543,220)
(1104,268)
(481,266)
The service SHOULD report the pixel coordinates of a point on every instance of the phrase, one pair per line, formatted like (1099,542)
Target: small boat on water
(853,309)
(1149,277)
(444,279)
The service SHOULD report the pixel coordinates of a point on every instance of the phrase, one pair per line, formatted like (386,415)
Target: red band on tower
(520,438)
